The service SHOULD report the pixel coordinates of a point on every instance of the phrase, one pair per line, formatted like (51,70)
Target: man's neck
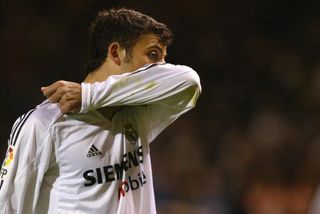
(107,69)
(101,74)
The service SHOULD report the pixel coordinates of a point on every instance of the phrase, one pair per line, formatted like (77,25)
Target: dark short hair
(124,26)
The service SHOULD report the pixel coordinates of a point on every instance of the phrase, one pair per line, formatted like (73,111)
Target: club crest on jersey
(9,156)
(130,133)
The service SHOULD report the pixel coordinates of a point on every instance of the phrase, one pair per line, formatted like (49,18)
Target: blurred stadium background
(252,145)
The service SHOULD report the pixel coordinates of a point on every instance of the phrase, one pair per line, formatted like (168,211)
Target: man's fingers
(56,97)
(67,94)
(48,91)
(69,107)
(69,104)
(64,108)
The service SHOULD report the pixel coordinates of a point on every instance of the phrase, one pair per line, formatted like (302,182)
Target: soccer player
(86,148)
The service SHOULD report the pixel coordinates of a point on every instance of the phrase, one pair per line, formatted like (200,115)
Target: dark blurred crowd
(252,145)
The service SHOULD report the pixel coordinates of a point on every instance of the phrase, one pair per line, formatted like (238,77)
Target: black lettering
(91,179)
(114,172)
(140,154)
(99,174)
(132,158)
(1,183)
(134,184)
(119,171)
(3,172)
(127,186)
(144,178)
(124,162)
(108,173)
(140,179)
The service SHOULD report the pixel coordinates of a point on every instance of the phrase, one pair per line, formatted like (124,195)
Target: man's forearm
(147,86)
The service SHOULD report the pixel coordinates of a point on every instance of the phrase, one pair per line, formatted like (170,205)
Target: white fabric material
(85,163)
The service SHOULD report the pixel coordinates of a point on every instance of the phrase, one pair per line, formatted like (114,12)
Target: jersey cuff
(85,97)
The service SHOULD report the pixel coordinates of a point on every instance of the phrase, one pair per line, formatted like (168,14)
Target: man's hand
(67,94)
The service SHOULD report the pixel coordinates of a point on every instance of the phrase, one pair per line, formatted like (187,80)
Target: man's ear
(115,52)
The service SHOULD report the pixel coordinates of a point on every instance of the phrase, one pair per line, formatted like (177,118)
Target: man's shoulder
(34,123)
(42,116)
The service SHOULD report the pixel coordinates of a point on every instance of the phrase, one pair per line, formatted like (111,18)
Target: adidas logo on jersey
(93,151)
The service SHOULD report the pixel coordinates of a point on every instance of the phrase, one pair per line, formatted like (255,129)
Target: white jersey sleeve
(166,91)
(26,161)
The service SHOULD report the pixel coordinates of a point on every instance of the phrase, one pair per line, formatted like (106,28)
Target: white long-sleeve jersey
(86,163)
